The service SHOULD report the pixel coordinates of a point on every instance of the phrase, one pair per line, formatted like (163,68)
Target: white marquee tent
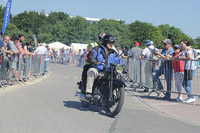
(77,46)
(58,45)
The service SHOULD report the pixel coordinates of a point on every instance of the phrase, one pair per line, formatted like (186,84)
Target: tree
(198,40)
(78,30)
(141,31)
(175,34)
(29,21)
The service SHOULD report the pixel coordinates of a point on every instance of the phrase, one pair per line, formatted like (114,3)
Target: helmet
(100,37)
(108,38)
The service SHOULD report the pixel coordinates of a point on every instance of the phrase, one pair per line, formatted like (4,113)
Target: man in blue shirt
(165,68)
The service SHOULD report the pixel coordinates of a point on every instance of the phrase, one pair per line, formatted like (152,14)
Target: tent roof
(58,45)
(78,46)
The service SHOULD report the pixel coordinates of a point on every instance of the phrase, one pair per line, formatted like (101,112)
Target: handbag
(187,72)
(187,75)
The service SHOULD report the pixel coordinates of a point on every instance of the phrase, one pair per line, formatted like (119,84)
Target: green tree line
(59,26)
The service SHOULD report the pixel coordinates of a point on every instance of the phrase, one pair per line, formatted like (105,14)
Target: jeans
(168,77)
(187,85)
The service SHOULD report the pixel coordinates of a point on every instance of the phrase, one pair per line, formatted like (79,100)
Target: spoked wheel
(115,106)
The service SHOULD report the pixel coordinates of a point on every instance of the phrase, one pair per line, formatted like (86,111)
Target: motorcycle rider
(104,54)
(87,64)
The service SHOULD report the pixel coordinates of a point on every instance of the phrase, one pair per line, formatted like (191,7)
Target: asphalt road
(50,107)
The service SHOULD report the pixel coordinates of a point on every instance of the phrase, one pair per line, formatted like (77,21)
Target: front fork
(111,85)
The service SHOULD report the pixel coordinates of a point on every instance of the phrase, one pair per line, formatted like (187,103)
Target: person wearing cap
(135,52)
(165,68)
(146,53)
(178,71)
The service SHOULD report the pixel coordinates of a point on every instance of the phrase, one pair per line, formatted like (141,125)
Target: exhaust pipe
(80,96)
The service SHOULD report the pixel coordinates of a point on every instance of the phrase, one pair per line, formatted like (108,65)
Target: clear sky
(183,14)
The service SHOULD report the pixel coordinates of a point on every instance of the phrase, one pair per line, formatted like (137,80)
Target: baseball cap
(137,43)
(148,42)
(168,41)
(177,47)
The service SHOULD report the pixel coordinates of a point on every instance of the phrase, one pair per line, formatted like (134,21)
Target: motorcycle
(108,91)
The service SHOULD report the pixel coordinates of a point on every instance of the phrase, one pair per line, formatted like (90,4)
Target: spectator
(54,55)
(146,53)
(21,56)
(165,68)
(47,57)
(27,47)
(27,58)
(14,59)
(41,50)
(66,57)
(135,52)
(189,69)
(6,57)
(178,71)
(119,51)
(21,38)
(3,49)
(124,52)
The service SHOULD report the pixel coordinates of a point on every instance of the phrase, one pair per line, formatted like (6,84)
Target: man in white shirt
(150,49)
(146,54)
(40,53)
(41,49)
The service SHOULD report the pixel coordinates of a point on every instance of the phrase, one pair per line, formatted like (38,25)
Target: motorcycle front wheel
(114,107)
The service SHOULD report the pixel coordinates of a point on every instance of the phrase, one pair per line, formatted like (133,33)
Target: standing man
(165,68)
(40,52)
(119,51)
(21,57)
(6,56)
(135,52)
(146,54)
(124,53)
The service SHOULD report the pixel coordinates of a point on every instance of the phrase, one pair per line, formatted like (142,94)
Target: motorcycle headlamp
(119,68)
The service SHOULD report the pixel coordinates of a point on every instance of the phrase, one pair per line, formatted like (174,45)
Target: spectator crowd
(20,61)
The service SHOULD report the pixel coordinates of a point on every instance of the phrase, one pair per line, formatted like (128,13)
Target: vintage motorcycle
(108,91)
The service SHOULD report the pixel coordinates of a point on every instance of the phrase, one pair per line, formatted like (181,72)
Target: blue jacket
(98,54)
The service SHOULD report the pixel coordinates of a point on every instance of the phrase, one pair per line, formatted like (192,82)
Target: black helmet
(108,38)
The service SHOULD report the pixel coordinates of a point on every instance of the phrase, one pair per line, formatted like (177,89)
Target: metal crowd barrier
(141,72)
(27,67)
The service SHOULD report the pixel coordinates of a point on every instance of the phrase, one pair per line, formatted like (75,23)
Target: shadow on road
(78,106)
(144,95)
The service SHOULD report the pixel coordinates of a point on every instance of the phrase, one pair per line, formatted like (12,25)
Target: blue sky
(183,14)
